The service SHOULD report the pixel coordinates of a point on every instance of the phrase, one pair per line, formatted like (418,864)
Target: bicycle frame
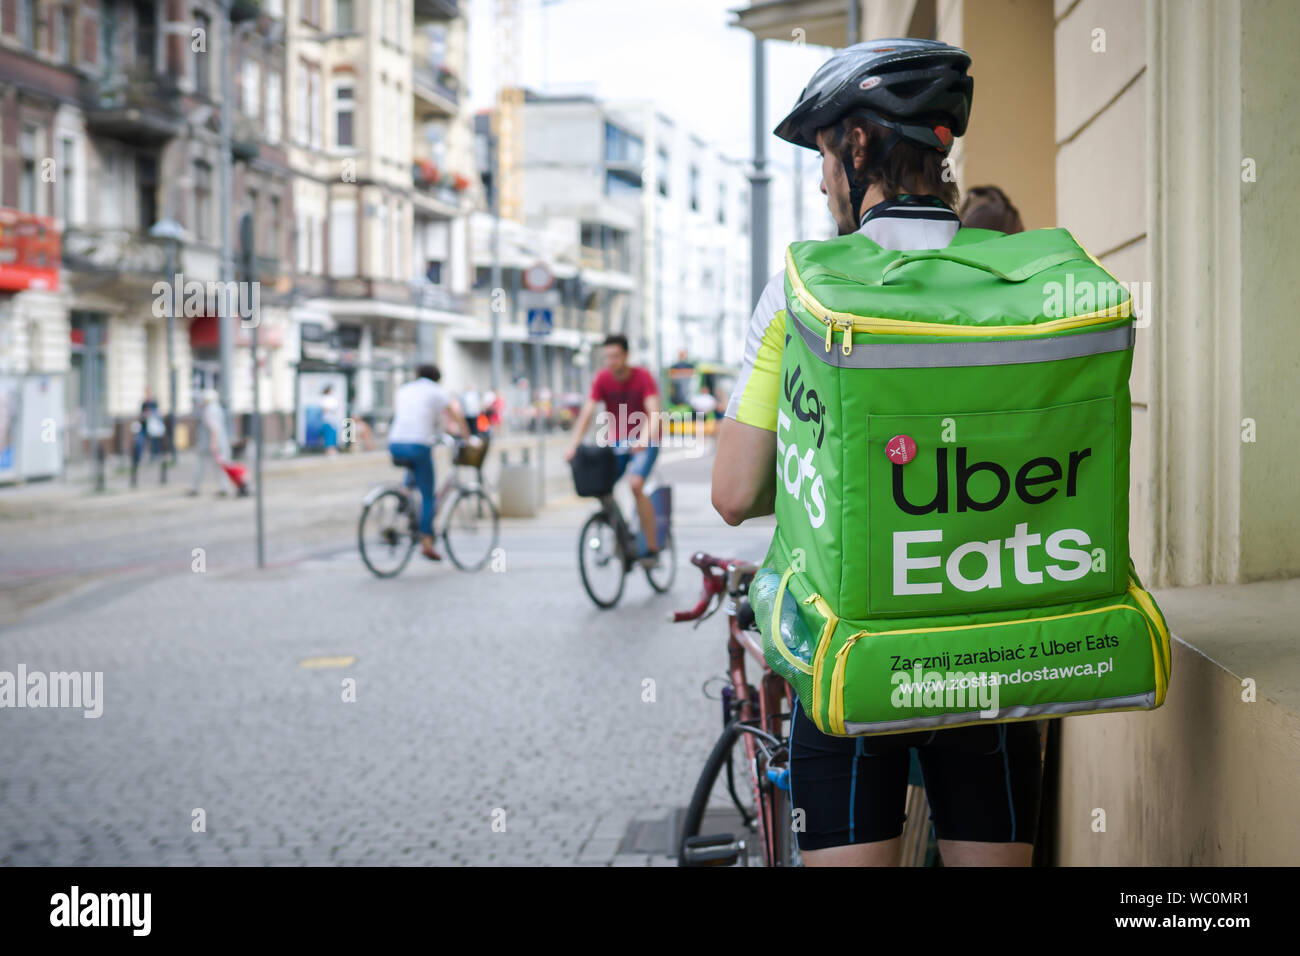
(762,710)
(626,541)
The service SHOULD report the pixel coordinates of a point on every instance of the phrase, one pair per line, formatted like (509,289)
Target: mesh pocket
(792,656)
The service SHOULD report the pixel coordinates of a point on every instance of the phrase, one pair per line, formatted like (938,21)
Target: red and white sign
(538,278)
(30,252)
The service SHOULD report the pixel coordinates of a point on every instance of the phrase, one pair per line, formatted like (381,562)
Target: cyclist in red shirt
(630,423)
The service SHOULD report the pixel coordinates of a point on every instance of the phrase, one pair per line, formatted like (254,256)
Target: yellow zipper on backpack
(836,715)
(819,658)
(847,323)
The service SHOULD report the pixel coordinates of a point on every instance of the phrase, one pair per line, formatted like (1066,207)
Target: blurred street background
(291,204)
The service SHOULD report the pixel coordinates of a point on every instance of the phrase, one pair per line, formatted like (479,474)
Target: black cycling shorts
(983,783)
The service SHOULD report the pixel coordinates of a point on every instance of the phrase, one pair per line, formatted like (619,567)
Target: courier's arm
(744,472)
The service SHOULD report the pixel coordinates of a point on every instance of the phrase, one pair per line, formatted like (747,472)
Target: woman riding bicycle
(421,409)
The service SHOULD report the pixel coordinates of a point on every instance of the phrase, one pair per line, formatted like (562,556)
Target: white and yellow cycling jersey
(902,223)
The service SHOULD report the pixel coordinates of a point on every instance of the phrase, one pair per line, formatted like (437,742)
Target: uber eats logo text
(795,470)
(966,484)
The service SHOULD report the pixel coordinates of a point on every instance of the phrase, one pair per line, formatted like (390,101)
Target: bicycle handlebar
(715,582)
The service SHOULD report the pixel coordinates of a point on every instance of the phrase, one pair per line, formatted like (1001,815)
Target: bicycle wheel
(661,576)
(470,532)
(600,561)
(385,534)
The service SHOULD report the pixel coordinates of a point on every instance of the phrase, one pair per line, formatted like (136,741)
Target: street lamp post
(171,232)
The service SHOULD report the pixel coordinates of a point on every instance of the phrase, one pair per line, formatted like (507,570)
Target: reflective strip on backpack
(1143,701)
(966,354)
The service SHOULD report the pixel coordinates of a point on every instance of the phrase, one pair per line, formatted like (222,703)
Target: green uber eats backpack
(952,488)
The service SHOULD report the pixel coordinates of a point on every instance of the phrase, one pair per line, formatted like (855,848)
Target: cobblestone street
(498,717)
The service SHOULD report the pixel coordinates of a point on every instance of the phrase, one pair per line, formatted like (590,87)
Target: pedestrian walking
(213,447)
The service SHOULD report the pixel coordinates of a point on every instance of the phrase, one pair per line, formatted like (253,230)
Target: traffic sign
(540,323)
(538,278)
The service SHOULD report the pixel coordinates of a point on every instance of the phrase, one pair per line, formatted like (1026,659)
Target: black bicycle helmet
(918,89)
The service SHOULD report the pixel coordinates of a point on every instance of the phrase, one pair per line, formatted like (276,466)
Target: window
(27,23)
(250,88)
(621,146)
(400,266)
(343,238)
(343,16)
(108,35)
(274,119)
(302,238)
(202,201)
(29,148)
(301,109)
(433,271)
(318,246)
(695,188)
(722,202)
(110,186)
(621,183)
(203,26)
(385,241)
(343,111)
(146,184)
(437,36)
(310,12)
(664,168)
(273,228)
(63,33)
(146,35)
(314,111)
(67,176)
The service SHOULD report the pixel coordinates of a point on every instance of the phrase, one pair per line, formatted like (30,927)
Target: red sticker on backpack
(900,449)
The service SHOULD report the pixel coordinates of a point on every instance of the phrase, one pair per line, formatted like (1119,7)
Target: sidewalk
(75,489)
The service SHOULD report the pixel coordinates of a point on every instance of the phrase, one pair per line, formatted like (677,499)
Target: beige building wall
(1270,249)
(1213,776)
(1009,142)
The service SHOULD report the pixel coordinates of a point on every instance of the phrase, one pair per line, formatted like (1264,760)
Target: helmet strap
(858,186)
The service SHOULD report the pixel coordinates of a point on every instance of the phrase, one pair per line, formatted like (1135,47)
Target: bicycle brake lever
(710,611)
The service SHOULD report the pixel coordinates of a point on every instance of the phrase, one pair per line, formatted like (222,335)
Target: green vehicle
(697,393)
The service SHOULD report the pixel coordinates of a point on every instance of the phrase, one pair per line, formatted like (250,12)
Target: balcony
(137,106)
(386,290)
(437,192)
(115,251)
(436,89)
(427,295)
(437,9)
(245,139)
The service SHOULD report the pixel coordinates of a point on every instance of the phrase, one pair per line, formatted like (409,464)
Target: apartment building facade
(351,148)
(381,148)
(696,202)
(582,164)
(109,114)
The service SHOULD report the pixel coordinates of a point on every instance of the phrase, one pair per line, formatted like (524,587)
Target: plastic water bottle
(794,633)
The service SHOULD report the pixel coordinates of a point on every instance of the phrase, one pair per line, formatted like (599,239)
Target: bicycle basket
(595,470)
(471,452)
